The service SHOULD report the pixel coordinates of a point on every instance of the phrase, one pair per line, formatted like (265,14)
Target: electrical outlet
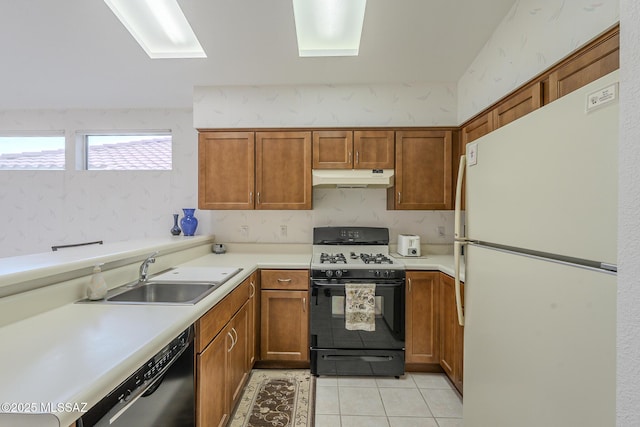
(440,231)
(283,230)
(244,230)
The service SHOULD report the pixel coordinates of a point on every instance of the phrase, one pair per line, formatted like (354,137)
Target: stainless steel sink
(164,293)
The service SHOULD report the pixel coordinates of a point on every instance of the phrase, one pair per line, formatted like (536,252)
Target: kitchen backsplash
(336,207)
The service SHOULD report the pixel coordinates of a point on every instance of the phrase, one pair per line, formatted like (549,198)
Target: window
(133,151)
(32,152)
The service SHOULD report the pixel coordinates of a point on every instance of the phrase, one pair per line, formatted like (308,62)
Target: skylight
(329,27)
(159,27)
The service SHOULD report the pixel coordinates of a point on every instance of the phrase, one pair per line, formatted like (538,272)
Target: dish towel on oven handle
(360,306)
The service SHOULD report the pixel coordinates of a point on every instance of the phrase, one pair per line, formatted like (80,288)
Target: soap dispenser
(97,288)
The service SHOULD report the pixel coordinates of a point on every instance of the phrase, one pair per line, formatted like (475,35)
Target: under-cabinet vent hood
(353,178)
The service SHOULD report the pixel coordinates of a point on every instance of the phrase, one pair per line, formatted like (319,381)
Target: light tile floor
(415,399)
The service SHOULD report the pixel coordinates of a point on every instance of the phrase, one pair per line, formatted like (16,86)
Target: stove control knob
(386,274)
(338,273)
(376,273)
(329,273)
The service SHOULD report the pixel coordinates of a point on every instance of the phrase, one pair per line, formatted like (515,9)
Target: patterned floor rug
(276,398)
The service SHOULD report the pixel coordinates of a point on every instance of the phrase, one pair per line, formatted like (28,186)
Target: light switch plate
(472,154)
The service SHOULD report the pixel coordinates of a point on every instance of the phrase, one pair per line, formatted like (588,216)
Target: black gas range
(346,260)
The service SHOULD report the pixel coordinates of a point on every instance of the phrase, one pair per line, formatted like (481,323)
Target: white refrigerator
(539,251)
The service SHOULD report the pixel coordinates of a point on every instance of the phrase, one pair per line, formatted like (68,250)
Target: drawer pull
(409,285)
(284,280)
(253,289)
(304,304)
(233,342)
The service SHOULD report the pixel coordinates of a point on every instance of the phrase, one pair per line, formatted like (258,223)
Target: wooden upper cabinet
(333,149)
(226,170)
(517,105)
(360,149)
(374,149)
(283,170)
(477,128)
(597,60)
(423,171)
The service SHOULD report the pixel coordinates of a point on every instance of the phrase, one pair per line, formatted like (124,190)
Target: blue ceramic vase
(175,230)
(189,223)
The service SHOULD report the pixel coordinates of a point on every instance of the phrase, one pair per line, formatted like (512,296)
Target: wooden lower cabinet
(224,342)
(222,371)
(213,406)
(284,314)
(253,320)
(285,325)
(421,317)
(451,333)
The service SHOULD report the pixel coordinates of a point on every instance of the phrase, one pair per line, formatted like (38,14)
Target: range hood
(353,178)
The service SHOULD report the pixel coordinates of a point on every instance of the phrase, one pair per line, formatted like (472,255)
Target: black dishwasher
(161,393)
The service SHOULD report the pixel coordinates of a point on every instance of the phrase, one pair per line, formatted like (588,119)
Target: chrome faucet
(145,266)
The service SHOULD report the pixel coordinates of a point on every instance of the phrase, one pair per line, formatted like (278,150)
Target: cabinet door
(283,170)
(226,170)
(285,325)
(451,333)
(373,149)
(518,105)
(423,170)
(333,149)
(212,401)
(421,317)
(253,322)
(237,359)
(599,60)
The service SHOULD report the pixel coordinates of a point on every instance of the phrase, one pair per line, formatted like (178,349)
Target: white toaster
(408,245)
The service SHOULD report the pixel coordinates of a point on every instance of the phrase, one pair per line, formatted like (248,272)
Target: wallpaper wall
(44,208)
(533,36)
(424,104)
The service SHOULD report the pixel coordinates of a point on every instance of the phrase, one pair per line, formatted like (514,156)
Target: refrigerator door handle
(459,239)
(457,246)
(457,232)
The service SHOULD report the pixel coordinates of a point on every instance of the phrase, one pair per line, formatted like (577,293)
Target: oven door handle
(318,284)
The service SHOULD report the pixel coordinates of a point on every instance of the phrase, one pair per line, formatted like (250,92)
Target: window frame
(38,134)
(82,146)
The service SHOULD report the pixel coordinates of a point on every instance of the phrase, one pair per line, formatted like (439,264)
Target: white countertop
(77,353)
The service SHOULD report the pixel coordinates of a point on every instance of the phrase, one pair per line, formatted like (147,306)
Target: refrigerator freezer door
(548,181)
(540,343)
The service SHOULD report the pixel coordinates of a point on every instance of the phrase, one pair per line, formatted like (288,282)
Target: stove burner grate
(326,258)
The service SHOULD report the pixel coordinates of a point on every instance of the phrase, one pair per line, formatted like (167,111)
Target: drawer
(285,279)
(212,322)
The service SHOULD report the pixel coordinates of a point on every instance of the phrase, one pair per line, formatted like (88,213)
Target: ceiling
(76,54)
